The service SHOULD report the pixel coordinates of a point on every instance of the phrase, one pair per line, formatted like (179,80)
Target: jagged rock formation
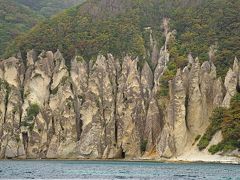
(105,109)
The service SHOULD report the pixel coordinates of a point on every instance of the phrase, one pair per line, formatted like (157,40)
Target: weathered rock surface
(104,108)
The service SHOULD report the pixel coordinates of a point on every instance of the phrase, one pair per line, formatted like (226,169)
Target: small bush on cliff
(203,143)
(144,146)
(196,139)
(32,111)
(224,146)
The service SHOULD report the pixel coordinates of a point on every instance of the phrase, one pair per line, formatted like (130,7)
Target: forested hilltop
(17,16)
(121,27)
(49,7)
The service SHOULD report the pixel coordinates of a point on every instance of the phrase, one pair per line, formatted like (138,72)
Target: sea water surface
(116,170)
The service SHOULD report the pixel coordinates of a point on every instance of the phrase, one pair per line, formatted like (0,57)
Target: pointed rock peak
(230,70)
(146,69)
(236,65)
(42,55)
(115,62)
(31,57)
(11,62)
(185,70)
(206,66)
(19,55)
(77,59)
(100,60)
(74,60)
(74,63)
(127,60)
(100,57)
(229,74)
(130,64)
(110,56)
(147,75)
(212,65)
(179,72)
(190,59)
(165,25)
(162,51)
(110,59)
(155,54)
(49,55)
(135,62)
(152,42)
(212,52)
(91,64)
(58,55)
(10,71)
(213,70)
(59,60)
(197,60)
(1,71)
(219,80)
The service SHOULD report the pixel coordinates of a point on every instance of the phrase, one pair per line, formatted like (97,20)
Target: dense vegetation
(228,121)
(32,112)
(17,16)
(14,19)
(119,27)
(48,7)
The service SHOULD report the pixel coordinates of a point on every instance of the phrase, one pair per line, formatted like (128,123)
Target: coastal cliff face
(107,108)
(161,105)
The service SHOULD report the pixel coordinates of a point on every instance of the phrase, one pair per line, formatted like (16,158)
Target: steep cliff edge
(106,109)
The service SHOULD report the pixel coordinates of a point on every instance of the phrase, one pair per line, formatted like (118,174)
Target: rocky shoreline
(221,160)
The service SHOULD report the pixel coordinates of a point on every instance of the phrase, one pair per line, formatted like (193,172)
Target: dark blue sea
(116,170)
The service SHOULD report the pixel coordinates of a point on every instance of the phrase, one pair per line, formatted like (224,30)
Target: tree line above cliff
(48,7)
(119,27)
